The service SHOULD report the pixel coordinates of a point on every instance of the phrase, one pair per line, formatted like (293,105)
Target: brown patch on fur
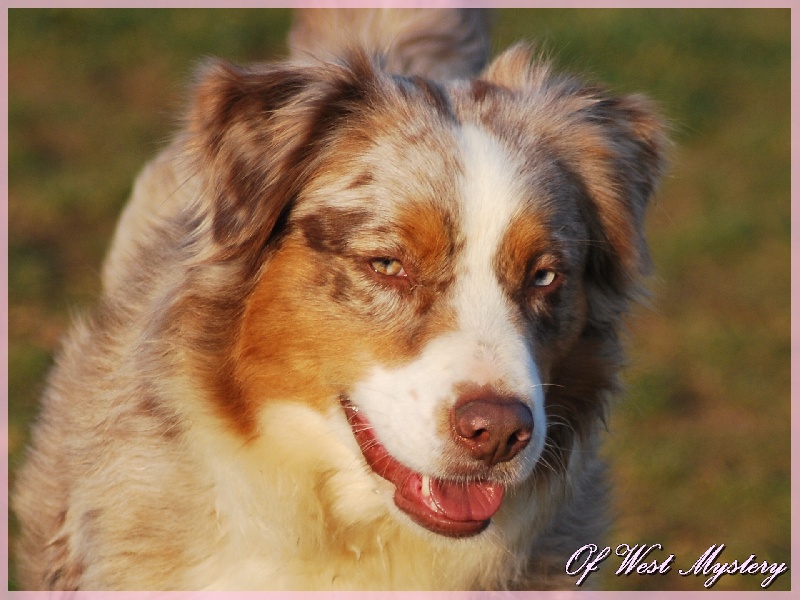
(430,236)
(291,347)
(329,230)
(527,239)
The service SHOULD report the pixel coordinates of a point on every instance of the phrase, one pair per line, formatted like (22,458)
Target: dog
(360,326)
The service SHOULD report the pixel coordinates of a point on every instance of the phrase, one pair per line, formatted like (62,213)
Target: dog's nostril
(493,429)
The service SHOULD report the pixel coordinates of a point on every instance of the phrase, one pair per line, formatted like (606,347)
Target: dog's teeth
(426,486)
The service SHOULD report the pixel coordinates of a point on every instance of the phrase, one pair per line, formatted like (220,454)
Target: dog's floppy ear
(613,146)
(619,160)
(255,134)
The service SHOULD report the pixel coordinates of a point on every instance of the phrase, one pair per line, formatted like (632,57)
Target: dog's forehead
(415,161)
(491,184)
(399,158)
(424,169)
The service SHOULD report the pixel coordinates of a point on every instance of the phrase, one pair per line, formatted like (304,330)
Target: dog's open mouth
(448,508)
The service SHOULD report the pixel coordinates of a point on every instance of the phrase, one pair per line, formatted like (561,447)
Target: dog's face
(442,266)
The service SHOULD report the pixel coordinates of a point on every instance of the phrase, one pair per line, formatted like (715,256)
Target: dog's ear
(256,134)
(619,160)
(613,146)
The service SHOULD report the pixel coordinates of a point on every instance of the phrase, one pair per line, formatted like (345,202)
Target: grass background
(700,444)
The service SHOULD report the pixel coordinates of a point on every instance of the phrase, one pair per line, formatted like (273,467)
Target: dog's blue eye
(544,278)
(391,267)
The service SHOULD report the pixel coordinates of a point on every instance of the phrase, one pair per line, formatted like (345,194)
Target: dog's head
(443,265)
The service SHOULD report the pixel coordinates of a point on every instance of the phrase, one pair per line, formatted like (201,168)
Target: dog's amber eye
(544,278)
(391,267)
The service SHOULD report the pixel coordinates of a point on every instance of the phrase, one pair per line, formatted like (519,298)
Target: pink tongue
(451,509)
(456,501)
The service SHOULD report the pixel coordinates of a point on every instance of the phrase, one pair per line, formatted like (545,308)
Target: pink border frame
(795,286)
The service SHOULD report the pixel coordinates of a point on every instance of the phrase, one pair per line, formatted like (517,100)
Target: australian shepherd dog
(359,328)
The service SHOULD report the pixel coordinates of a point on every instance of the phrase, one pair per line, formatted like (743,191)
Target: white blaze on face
(403,404)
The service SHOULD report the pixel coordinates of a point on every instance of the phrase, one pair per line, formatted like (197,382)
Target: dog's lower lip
(442,507)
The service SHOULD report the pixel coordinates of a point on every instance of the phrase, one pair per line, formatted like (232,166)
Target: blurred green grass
(699,445)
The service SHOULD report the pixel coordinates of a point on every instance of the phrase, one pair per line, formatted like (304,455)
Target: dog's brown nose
(493,429)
